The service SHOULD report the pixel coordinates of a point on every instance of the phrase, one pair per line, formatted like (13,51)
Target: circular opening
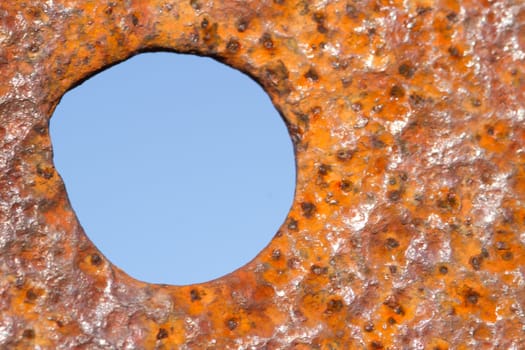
(179,168)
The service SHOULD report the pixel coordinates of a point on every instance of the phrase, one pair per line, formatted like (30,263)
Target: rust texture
(408,226)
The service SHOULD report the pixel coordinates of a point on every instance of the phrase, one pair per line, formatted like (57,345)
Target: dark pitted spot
(346,186)
(242,25)
(134,19)
(392,181)
(507,256)
(346,81)
(471,296)
(302,117)
(195,4)
(415,100)
(233,46)
(329,196)
(502,245)
(344,154)
(393,304)
(399,310)
(293,225)
(340,64)
(421,10)
(351,11)
(449,202)
(293,263)
(46,204)
(361,122)
(391,320)
(376,345)
(378,108)
(322,29)
(508,216)
(452,199)
(308,209)
(19,282)
(319,18)
(377,142)
(452,16)
(454,52)
(44,171)
(267,41)
(403,176)
(276,254)
(394,196)
(31,295)
(205,23)
(316,110)
(393,269)
(476,261)
(391,243)
(278,2)
(397,91)
(486,177)
(96,260)
(304,7)
(475,102)
(334,305)
(312,75)
(443,270)
(195,295)
(194,37)
(369,327)
(324,169)
(356,106)
(231,323)
(406,70)
(210,36)
(162,334)
(39,129)
(318,270)
(275,78)
(490,130)
(28,334)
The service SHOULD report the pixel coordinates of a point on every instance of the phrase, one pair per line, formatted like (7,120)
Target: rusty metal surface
(408,225)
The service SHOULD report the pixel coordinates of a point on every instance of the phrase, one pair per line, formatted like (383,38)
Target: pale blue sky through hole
(179,168)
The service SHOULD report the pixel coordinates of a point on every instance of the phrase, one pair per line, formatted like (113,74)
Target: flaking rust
(408,225)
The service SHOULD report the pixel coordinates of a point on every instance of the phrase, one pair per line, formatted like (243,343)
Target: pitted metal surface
(408,225)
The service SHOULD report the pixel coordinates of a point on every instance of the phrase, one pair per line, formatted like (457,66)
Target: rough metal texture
(408,226)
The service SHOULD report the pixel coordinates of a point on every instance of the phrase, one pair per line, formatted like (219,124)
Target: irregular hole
(179,168)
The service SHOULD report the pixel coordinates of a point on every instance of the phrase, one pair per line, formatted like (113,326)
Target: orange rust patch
(407,229)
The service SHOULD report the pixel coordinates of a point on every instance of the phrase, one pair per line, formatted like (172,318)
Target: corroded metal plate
(408,225)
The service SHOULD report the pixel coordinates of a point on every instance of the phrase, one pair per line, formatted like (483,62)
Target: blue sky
(179,168)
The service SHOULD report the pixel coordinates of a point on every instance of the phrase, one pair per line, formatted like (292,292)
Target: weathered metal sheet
(408,225)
